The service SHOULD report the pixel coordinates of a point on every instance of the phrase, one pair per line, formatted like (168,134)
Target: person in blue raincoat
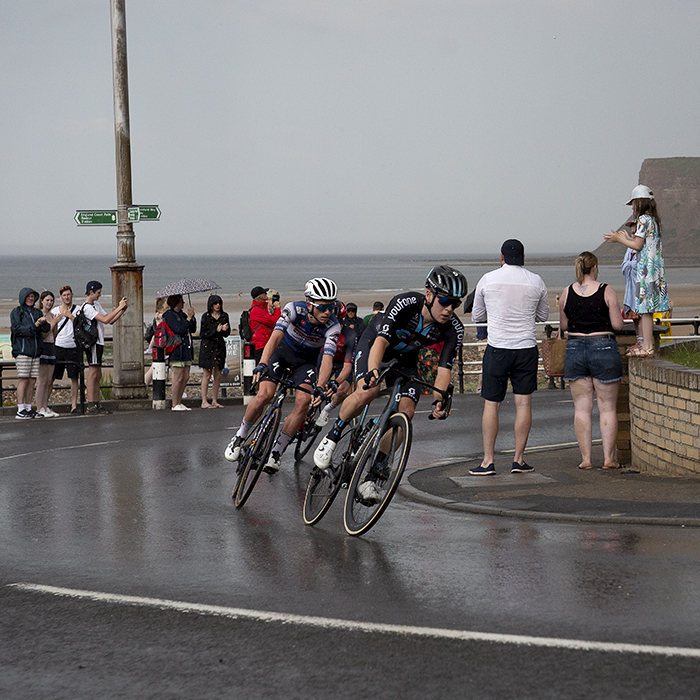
(27,325)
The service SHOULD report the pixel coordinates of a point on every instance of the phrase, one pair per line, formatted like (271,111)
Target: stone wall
(664,405)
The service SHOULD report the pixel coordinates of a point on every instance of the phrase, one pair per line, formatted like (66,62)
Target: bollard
(81,376)
(248,367)
(159,379)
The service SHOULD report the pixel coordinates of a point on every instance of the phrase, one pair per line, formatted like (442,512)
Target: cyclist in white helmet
(305,330)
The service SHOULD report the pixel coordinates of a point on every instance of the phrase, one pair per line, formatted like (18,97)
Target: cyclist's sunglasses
(449,301)
(324,307)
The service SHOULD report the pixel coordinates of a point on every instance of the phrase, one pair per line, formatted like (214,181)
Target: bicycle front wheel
(256,455)
(380,465)
(324,484)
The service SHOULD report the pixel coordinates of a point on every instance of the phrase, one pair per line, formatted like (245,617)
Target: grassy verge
(685,354)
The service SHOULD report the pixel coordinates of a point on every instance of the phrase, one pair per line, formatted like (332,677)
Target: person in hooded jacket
(27,325)
(181,357)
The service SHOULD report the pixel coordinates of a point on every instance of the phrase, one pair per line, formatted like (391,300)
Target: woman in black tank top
(590,313)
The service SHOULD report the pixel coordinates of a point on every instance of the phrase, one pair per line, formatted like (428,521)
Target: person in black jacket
(213,329)
(27,325)
(352,320)
(181,357)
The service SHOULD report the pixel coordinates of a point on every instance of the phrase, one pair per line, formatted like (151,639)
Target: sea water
(383,274)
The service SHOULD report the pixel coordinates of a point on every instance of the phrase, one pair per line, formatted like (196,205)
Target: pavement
(558,490)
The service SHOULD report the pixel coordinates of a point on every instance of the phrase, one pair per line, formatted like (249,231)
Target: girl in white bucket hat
(645,237)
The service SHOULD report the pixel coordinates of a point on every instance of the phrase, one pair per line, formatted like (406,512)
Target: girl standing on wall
(652,295)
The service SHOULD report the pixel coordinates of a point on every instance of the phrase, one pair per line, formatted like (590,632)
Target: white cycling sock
(244,429)
(281,443)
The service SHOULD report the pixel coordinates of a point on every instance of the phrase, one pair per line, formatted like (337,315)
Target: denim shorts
(593,356)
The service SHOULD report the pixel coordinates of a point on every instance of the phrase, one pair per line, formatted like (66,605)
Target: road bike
(256,448)
(324,484)
(374,450)
(383,456)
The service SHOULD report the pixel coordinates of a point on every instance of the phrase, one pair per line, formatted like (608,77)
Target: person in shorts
(412,321)
(590,313)
(68,356)
(93,309)
(510,300)
(306,330)
(27,325)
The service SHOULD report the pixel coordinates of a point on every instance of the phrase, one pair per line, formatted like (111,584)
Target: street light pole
(127,276)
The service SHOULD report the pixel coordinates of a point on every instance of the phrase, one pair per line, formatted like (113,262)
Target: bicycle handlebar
(385,367)
(446,403)
(284,380)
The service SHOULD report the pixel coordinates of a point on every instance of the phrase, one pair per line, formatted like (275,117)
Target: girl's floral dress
(652,294)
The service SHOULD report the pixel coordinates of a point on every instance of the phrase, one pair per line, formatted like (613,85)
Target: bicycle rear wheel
(384,471)
(256,455)
(324,484)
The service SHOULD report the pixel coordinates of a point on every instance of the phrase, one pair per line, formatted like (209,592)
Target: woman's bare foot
(217,405)
(585,465)
(612,465)
(206,405)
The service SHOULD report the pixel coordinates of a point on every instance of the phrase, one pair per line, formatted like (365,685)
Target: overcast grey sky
(421,126)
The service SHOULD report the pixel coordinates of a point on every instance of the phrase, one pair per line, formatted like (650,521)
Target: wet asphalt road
(139,504)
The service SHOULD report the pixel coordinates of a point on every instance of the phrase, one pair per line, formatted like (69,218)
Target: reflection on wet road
(150,514)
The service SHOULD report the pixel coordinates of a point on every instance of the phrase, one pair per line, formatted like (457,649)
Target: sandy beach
(686,304)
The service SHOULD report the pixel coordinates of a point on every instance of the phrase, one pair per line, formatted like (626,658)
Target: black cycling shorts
(303,369)
(407,364)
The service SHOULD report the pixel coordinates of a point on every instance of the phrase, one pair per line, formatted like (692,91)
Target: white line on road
(57,449)
(333,623)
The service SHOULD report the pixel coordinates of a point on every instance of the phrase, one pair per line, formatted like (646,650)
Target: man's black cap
(513,252)
(257,291)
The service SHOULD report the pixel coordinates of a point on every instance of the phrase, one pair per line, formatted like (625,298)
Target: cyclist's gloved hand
(438,412)
(371,379)
(260,370)
(318,392)
(331,388)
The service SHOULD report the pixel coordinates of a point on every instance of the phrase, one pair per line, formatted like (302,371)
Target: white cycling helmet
(641,192)
(321,289)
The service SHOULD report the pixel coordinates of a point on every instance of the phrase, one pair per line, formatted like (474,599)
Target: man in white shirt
(93,309)
(68,357)
(510,299)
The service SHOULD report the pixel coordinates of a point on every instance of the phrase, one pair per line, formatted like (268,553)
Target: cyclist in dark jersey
(410,322)
(305,330)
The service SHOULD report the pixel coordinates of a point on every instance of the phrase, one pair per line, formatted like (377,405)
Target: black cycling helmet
(340,309)
(445,281)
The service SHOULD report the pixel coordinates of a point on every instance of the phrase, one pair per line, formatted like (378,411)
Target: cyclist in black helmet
(410,322)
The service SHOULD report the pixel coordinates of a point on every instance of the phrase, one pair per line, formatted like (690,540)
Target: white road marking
(352,625)
(58,449)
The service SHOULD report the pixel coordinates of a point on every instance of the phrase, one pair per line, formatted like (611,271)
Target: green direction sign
(139,212)
(143,212)
(96,218)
